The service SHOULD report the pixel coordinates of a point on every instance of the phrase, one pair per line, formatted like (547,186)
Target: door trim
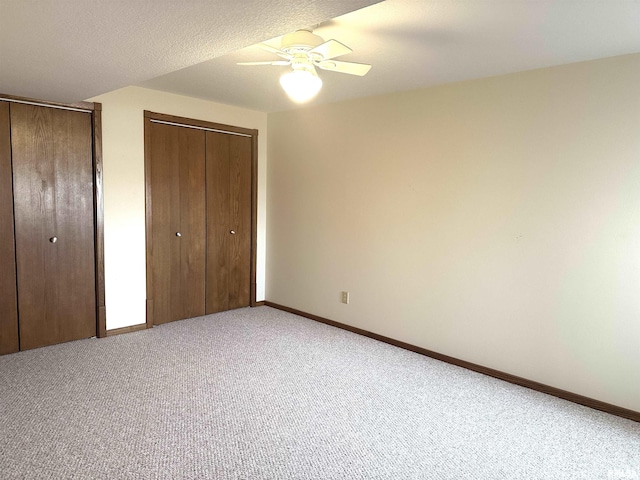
(78,106)
(98,215)
(95,109)
(153,117)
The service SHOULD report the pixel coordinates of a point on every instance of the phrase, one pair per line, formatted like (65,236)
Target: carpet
(263,394)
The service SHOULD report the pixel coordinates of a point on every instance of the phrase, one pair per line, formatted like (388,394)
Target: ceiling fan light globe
(301,85)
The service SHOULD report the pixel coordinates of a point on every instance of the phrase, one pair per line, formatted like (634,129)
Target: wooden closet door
(8,298)
(54,224)
(228,221)
(176,168)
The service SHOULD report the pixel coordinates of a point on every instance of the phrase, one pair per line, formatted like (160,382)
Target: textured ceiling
(418,43)
(69,50)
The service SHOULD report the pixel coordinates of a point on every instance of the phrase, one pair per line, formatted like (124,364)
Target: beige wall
(124,222)
(497,221)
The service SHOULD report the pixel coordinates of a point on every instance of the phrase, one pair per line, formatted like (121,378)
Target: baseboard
(132,328)
(261,303)
(507,377)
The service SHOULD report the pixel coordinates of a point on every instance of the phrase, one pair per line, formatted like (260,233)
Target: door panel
(218,222)
(176,164)
(240,199)
(228,221)
(8,295)
(54,224)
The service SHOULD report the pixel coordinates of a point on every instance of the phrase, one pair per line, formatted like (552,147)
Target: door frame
(153,117)
(95,109)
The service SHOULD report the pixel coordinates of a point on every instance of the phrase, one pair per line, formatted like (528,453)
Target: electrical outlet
(345,297)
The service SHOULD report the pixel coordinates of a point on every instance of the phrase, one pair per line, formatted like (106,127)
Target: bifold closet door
(176,170)
(54,224)
(8,292)
(229,160)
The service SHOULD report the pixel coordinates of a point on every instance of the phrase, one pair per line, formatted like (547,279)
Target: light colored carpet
(263,394)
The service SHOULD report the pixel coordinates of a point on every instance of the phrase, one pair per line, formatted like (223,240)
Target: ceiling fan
(304,51)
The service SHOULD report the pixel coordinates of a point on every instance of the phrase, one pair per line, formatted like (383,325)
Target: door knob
(53,239)
(178,234)
(232,232)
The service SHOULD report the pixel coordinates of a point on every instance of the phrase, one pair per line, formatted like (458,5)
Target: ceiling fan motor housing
(300,40)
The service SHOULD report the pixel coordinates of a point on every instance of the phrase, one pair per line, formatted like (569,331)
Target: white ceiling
(418,43)
(69,50)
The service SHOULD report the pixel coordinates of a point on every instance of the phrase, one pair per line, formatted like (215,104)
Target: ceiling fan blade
(275,50)
(351,68)
(331,49)
(277,62)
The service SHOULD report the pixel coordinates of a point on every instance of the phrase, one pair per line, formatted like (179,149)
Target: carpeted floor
(263,394)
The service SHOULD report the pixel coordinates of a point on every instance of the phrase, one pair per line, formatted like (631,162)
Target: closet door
(8,299)
(54,224)
(228,221)
(176,257)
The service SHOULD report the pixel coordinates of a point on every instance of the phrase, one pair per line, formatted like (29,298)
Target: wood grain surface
(176,169)
(8,288)
(53,198)
(229,221)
